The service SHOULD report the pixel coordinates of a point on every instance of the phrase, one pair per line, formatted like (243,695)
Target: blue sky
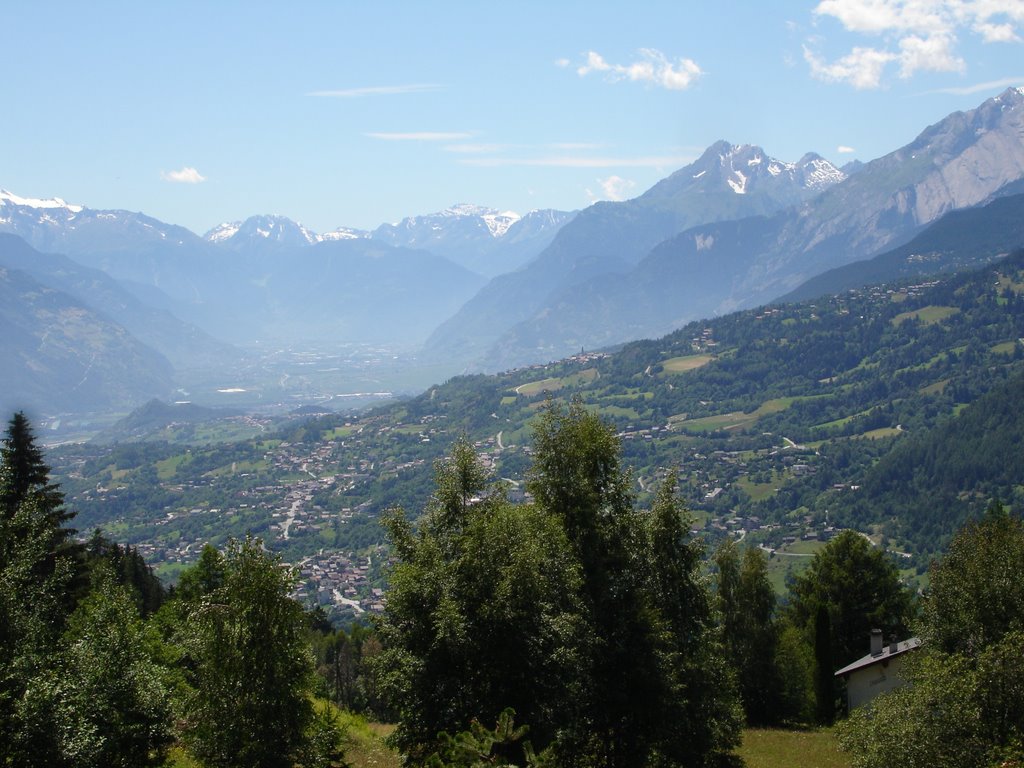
(352,114)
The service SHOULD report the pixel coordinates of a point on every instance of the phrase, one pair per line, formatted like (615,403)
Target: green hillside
(775,418)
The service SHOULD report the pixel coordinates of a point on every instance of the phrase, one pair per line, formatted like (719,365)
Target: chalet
(877,672)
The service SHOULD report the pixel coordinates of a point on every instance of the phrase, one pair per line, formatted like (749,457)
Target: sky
(351,114)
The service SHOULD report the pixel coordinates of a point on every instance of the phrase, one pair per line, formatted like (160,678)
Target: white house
(877,672)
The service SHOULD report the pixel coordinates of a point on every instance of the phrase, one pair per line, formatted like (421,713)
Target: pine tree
(40,576)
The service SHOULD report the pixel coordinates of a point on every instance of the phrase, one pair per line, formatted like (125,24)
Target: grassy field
(768,748)
(761,748)
(733,420)
(364,743)
(927,315)
(554,384)
(686,363)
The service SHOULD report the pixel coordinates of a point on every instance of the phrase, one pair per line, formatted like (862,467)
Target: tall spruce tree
(39,570)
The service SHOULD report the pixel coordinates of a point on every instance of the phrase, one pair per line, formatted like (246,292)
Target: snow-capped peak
(269,227)
(223,232)
(31,202)
(497,222)
(818,172)
(744,166)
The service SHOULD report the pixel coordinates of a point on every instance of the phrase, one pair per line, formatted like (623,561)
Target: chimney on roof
(893,644)
(876,642)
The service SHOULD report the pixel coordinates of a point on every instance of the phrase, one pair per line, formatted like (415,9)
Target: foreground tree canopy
(86,681)
(585,615)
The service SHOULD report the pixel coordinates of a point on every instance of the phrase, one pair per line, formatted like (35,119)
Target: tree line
(589,630)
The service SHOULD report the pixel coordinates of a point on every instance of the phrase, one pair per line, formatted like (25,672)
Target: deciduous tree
(249,665)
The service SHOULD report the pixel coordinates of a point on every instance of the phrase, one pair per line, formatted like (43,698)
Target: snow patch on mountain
(499,223)
(31,202)
(739,187)
(344,233)
(224,231)
(819,173)
(812,172)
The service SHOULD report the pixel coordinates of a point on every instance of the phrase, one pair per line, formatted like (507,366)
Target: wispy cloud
(991,85)
(478,149)
(378,90)
(421,136)
(842,149)
(186,175)
(577,161)
(916,36)
(613,188)
(572,146)
(652,67)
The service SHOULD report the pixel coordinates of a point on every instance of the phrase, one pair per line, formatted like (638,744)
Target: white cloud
(862,67)
(378,90)
(991,85)
(653,67)
(916,35)
(997,33)
(563,63)
(842,149)
(421,136)
(186,175)
(613,188)
(928,54)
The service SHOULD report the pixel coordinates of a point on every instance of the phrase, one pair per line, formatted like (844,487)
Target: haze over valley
(115,308)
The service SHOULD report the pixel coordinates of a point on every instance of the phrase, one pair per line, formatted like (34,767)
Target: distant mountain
(182,344)
(963,160)
(60,355)
(483,240)
(266,278)
(260,230)
(959,240)
(726,182)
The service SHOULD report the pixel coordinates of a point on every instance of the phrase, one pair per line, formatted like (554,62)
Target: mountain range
(610,238)
(966,159)
(484,289)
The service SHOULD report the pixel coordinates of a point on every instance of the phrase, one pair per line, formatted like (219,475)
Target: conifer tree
(39,576)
